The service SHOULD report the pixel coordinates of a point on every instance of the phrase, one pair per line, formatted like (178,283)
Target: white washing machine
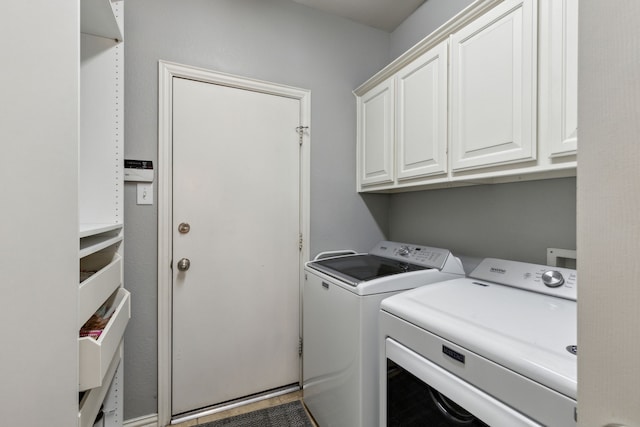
(341,302)
(497,348)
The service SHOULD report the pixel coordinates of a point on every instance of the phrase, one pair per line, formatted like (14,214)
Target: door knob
(184,264)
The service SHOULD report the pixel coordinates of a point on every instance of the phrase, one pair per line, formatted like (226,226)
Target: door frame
(166,72)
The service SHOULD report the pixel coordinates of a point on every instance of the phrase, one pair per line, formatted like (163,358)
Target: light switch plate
(145,193)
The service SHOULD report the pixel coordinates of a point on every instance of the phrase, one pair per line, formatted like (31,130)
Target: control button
(552,278)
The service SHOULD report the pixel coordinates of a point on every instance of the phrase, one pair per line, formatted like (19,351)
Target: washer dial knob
(404,251)
(552,278)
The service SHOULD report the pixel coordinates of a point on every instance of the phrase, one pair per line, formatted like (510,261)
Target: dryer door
(432,386)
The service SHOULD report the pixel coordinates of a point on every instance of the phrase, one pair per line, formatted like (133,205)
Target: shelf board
(93,244)
(87,230)
(98,19)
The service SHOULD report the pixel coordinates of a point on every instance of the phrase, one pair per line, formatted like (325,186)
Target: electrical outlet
(566,258)
(145,193)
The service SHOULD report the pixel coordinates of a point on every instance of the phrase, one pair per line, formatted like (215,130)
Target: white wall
(39,41)
(274,40)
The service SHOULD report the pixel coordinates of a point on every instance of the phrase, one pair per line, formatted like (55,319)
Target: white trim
(166,72)
(145,421)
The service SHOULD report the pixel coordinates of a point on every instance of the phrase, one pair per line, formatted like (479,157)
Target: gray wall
(274,40)
(426,19)
(516,221)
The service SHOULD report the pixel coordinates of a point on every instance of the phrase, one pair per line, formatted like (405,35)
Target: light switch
(145,193)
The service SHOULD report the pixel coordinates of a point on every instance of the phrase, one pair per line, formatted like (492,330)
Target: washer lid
(385,259)
(523,331)
(355,269)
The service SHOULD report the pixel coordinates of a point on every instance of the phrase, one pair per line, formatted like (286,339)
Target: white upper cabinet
(375,133)
(489,97)
(559,76)
(493,87)
(402,122)
(421,108)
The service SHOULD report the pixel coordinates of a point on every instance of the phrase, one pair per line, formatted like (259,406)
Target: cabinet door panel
(564,74)
(376,133)
(493,93)
(422,115)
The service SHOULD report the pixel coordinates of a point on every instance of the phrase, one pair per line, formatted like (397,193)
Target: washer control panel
(412,254)
(552,278)
(556,281)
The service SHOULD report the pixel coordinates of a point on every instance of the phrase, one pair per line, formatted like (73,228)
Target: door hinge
(300,242)
(300,130)
(300,346)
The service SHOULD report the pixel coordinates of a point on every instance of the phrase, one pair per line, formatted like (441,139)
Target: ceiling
(383,14)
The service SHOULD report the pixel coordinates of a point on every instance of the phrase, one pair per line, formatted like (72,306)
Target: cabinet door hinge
(300,242)
(300,346)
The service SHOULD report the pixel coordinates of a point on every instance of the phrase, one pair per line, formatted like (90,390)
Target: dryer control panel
(556,281)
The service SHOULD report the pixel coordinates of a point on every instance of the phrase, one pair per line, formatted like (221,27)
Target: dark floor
(267,403)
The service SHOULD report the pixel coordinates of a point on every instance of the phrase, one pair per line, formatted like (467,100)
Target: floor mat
(290,414)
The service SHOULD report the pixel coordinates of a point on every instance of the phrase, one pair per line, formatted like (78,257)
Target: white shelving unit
(97,18)
(39,243)
(100,202)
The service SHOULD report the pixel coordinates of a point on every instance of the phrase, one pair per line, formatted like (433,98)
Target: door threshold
(235,404)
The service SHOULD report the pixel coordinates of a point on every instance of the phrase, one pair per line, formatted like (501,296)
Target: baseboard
(146,421)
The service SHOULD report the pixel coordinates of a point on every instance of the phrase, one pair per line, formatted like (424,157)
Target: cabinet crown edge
(458,21)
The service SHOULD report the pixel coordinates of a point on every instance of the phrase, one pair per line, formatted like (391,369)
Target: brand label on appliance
(453,354)
(497,270)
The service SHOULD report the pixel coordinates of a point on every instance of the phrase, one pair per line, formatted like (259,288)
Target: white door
(236,182)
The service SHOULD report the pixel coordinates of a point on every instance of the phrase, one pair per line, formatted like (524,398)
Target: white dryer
(341,302)
(497,348)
